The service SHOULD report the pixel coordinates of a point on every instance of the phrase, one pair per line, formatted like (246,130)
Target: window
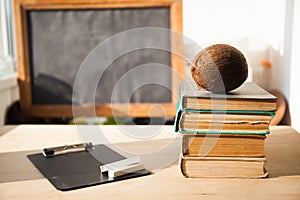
(7,50)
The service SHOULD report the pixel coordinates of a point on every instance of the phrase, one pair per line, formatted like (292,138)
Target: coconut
(219,68)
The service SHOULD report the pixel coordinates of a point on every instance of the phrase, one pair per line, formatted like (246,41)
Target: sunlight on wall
(280,45)
(243,24)
(256,27)
(295,70)
(219,20)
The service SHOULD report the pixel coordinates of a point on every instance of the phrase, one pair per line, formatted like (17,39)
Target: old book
(223,145)
(225,122)
(226,126)
(222,122)
(195,115)
(248,97)
(220,167)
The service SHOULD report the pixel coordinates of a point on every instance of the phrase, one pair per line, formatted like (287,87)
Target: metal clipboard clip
(122,167)
(50,152)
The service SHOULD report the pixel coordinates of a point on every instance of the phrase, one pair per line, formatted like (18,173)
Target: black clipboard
(80,169)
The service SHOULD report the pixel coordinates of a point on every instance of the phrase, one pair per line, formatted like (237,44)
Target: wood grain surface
(19,179)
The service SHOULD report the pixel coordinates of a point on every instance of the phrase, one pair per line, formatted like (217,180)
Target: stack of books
(223,135)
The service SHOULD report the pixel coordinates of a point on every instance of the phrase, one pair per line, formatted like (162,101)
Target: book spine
(251,146)
(223,167)
(251,112)
(225,132)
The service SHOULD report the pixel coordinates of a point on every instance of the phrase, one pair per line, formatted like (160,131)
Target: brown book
(208,116)
(220,167)
(225,126)
(200,122)
(248,97)
(223,145)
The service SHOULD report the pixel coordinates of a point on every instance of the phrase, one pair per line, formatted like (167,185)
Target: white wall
(280,46)
(256,27)
(8,94)
(1,42)
(243,24)
(295,69)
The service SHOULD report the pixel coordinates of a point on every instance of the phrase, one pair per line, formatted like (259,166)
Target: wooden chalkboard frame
(134,109)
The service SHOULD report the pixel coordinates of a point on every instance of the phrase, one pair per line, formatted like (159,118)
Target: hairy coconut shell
(219,68)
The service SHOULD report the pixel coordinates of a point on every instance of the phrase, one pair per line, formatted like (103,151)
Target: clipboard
(80,169)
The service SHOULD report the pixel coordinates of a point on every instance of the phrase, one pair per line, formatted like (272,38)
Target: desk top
(19,179)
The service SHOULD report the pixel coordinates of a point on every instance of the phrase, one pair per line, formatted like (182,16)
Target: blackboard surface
(59,40)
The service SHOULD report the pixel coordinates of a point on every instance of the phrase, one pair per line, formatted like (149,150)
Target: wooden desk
(19,179)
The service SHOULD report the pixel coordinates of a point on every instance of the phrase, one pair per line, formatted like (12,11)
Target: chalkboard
(60,40)
(57,38)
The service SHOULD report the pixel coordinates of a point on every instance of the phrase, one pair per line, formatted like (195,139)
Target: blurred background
(266,31)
